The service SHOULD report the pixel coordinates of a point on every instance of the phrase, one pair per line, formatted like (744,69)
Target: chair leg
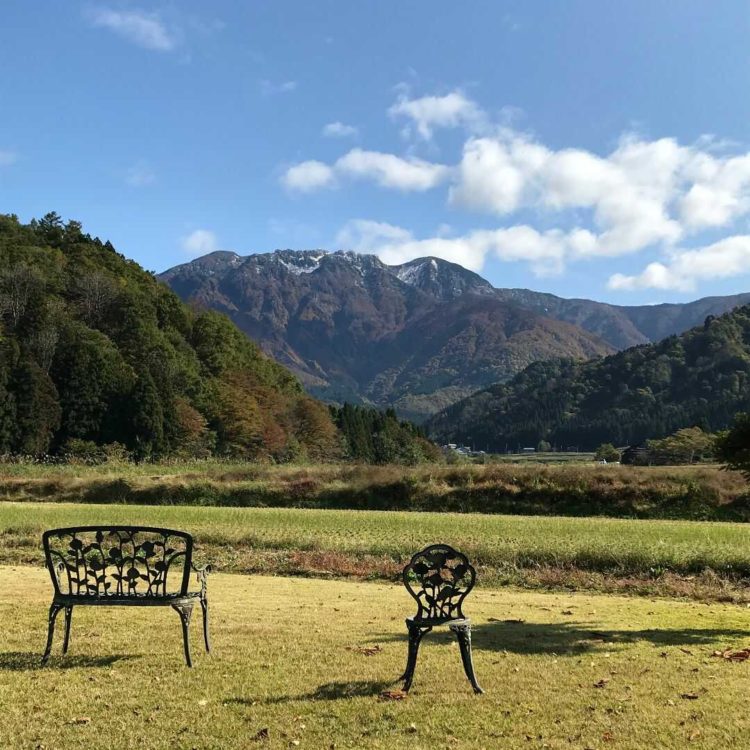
(185,611)
(206,639)
(463,633)
(416,633)
(68,618)
(53,612)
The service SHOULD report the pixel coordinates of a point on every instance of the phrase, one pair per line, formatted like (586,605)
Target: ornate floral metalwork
(123,565)
(439,579)
(117,561)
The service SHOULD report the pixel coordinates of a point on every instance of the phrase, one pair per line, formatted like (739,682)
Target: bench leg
(416,633)
(463,633)
(53,612)
(68,618)
(185,611)
(206,639)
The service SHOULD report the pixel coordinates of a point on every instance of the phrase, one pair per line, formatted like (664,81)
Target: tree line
(97,358)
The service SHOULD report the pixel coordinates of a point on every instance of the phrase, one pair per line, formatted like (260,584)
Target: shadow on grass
(19,661)
(573,638)
(330,691)
(576,638)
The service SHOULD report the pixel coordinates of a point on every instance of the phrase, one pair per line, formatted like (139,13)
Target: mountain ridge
(353,328)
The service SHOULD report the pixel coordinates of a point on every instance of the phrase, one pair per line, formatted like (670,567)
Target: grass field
(697,492)
(559,670)
(696,559)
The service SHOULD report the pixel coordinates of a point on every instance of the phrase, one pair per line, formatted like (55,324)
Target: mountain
(699,378)
(441,279)
(416,336)
(623,326)
(97,357)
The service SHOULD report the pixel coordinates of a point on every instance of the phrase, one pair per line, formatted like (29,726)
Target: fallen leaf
(730,655)
(365,650)
(393,695)
(694,735)
(202,702)
(608,737)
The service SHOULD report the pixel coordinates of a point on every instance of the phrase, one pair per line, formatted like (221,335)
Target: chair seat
(125,600)
(429,622)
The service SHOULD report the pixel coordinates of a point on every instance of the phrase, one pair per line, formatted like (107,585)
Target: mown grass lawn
(700,559)
(560,671)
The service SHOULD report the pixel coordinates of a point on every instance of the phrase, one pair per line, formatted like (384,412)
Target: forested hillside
(95,351)
(701,377)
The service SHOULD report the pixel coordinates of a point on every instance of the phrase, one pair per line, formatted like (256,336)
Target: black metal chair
(122,566)
(439,579)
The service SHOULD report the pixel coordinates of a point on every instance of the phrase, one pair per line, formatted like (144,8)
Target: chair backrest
(439,578)
(117,561)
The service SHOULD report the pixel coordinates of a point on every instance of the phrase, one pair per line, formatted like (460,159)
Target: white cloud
(430,112)
(140,174)
(339,130)
(627,192)
(270,87)
(386,170)
(652,195)
(495,172)
(308,176)
(7,158)
(544,251)
(200,242)
(720,193)
(391,171)
(723,259)
(140,27)
(364,235)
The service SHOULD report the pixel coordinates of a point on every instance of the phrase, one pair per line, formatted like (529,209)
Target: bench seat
(131,600)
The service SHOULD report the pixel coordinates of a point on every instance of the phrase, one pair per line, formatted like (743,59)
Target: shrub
(733,446)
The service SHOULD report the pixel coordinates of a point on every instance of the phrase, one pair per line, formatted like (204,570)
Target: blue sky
(583,148)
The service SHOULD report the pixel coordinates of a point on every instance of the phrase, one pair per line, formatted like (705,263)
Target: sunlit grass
(283,661)
(617,546)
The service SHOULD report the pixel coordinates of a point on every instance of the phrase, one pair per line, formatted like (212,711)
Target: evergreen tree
(37,414)
(147,422)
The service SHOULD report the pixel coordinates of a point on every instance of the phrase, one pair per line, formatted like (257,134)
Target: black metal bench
(123,566)
(439,579)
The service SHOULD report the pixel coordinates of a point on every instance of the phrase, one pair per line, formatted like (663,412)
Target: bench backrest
(439,578)
(120,561)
